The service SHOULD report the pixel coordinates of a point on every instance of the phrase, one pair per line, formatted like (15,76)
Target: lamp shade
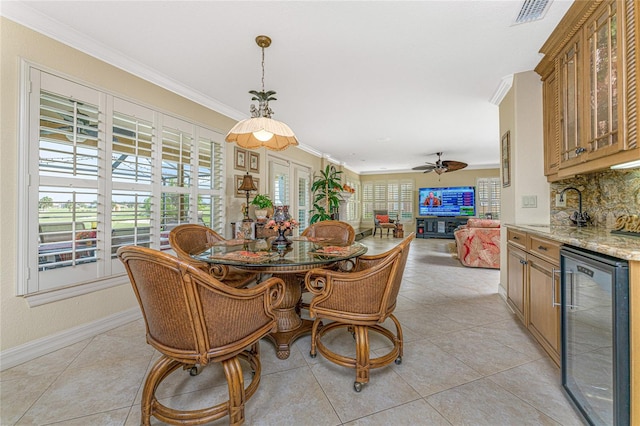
(250,134)
(247,184)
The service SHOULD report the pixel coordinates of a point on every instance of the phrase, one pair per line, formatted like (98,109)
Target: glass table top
(261,254)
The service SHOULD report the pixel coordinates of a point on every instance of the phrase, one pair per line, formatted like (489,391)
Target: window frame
(31,181)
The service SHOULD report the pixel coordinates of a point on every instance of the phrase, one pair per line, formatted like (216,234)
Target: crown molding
(24,15)
(501,91)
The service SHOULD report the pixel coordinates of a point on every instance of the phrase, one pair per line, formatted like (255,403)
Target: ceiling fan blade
(452,166)
(426,167)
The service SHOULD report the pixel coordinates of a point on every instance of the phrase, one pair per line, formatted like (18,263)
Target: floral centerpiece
(281,222)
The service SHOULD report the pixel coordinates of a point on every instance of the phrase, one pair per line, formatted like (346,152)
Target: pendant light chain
(263,69)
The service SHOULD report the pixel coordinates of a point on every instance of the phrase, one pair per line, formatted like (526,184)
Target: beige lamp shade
(257,132)
(247,184)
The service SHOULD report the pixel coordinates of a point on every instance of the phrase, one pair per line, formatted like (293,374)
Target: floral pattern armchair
(478,243)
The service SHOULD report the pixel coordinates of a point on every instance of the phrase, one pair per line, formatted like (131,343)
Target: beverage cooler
(595,335)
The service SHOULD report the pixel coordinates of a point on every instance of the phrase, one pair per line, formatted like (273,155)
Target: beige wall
(521,115)
(464,177)
(20,323)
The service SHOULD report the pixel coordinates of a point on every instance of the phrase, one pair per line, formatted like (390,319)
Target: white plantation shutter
(394,196)
(98,175)
(368,198)
(488,197)
(304,196)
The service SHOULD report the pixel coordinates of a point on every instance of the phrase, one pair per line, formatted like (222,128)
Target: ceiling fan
(441,167)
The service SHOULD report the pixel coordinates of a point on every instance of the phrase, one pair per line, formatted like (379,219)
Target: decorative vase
(261,214)
(281,214)
(281,240)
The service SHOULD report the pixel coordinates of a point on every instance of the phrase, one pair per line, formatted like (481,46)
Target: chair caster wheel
(357,386)
(312,355)
(193,371)
(398,360)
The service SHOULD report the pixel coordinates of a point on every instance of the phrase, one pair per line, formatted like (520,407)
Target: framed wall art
(254,162)
(505,157)
(240,156)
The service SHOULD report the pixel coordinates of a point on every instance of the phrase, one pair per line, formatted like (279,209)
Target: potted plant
(262,203)
(327,194)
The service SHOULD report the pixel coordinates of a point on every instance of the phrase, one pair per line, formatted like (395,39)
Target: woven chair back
(191,238)
(336,231)
(189,315)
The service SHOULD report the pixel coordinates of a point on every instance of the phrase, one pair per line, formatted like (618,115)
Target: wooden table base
(290,325)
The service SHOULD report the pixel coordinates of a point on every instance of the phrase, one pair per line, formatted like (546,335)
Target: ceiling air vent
(532,10)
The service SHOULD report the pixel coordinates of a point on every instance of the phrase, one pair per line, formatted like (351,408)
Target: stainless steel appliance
(595,335)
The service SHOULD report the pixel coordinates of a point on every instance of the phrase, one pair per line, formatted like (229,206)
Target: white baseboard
(36,348)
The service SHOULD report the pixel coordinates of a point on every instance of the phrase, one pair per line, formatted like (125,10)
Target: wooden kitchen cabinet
(517,277)
(590,94)
(533,287)
(544,304)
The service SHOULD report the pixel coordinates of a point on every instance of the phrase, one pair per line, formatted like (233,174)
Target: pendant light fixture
(261,130)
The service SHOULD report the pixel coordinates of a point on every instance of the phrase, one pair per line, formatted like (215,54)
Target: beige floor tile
(428,369)
(385,389)
(484,403)
(413,413)
(55,362)
(467,360)
(89,390)
(487,356)
(290,398)
(18,395)
(538,383)
(109,418)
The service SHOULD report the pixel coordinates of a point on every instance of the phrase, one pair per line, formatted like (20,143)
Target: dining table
(288,262)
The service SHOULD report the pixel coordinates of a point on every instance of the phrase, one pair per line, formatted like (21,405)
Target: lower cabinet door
(544,301)
(516,270)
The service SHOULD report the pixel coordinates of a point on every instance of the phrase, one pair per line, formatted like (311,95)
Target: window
(289,185)
(394,196)
(353,203)
(488,197)
(99,175)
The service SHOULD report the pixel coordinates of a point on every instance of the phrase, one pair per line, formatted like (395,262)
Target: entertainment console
(438,227)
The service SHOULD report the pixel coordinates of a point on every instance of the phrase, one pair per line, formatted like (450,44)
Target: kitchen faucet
(581,218)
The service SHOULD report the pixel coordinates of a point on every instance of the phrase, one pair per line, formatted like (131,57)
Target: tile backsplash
(605,196)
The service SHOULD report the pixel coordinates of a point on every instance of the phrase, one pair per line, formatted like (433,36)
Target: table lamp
(247,186)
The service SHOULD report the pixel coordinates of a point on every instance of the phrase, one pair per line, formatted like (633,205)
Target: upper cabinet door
(602,130)
(591,67)
(571,70)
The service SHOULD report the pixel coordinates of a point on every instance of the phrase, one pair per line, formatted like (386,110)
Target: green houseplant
(262,203)
(327,195)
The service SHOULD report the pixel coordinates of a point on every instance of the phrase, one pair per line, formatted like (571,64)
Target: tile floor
(467,361)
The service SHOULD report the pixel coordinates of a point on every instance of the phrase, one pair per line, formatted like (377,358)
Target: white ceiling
(379,86)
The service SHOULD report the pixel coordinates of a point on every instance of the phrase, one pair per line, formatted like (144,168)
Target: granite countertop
(600,240)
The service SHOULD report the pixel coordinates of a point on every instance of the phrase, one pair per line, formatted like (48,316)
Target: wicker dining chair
(360,301)
(191,238)
(193,319)
(334,231)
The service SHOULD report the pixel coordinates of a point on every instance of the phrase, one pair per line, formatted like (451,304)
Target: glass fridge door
(593,318)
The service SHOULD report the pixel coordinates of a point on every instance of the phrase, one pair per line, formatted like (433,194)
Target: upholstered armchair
(478,243)
(382,220)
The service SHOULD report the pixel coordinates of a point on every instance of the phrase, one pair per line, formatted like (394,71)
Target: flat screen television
(451,201)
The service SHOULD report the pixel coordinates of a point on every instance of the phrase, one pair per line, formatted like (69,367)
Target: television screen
(453,201)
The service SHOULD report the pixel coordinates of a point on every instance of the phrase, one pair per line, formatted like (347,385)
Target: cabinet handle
(580,150)
(515,238)
(554,271)
(523,262)
(543,248)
